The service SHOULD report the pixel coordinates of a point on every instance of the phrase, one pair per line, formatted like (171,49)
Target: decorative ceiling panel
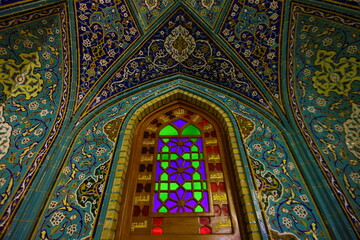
(105,30)
(208,10)
(150,10)
(180,46)
(324,75)
(34,92)
(253,30)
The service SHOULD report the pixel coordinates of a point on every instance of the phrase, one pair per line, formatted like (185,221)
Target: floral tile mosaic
(105,29)
(75,201)
(34,90)
(180,46)
(209,11)
(150,11)
(253,29)
(348,3)
(325,87)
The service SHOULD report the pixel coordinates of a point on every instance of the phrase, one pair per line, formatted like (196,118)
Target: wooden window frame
(126,210)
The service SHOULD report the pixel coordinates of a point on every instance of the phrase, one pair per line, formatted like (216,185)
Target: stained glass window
(179,182)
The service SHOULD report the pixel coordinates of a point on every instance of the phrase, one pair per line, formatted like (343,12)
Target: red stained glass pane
(217,210)
(211,167)
(147,187)
(145,211)
(157,231)
(204,220)
(158,221)
(139,187)
(225,209)
(222,187)
(214,187)
(216,149)
(205,230)
(208,149)
(218,167)
(149,168)
(136,211)
(141,167)
(213,134)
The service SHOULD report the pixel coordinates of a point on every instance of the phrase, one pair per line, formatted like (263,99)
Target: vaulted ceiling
(298,61)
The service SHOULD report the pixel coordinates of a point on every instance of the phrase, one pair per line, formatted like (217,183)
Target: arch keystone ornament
(180,44)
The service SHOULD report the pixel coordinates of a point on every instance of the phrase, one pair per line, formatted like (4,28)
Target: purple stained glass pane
(173,195)
(158,171)
(199,144)
(187,176)
(180,179)
(157,203)
(170,204)
(179,123)
(174,210)
(205,201)
(201,169)
(180,193)
(178,150)
(188,195)
(160,144)
(191,203)
(188,209)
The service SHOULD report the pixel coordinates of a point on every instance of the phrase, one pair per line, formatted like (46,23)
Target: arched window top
(178,185)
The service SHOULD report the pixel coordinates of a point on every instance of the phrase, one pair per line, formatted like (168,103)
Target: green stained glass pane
(164,196)
(201,156)
(193,139)
(158,156)
(165,156)
(199,209)
(165,165)
(168,130)
(187,185)
(174,186)
(191,130)
(195,164)
(165,140)
(204,185)
(198,195)
(186,156)
(173,156)
(197,185)
(163,209)
(163,187)
(165,149)
(194,156)
(164,177)
(156,186)
(194,148)
(196,176)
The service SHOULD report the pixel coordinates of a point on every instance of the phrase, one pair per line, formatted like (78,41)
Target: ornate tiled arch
(117,185)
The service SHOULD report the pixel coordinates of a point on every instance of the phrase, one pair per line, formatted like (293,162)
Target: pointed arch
(226,123)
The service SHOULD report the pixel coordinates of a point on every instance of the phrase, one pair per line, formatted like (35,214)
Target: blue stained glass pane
(179,123)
